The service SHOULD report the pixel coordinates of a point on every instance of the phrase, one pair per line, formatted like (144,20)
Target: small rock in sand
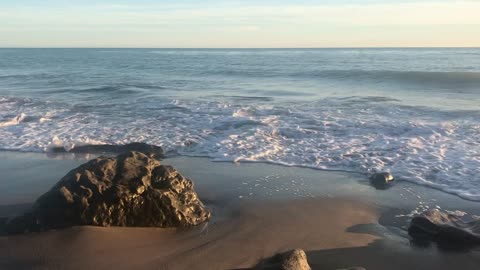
(291,260)
(295,260)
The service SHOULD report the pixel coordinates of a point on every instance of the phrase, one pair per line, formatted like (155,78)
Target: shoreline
(258,210)
(35,173)
(80,157)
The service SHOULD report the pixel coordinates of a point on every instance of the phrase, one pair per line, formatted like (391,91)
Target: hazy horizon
(240,24)
(243,48)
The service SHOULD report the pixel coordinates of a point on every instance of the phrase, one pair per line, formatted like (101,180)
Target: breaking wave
(436,148)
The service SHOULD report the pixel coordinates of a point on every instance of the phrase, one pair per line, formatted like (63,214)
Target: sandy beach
(258,210)
(240,135)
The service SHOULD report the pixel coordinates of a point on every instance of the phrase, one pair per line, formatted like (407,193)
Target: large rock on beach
(447,230)
(381,180)
(131,189)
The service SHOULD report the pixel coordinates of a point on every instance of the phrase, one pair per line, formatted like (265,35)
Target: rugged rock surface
(448,231)
(381,180)
(291,260)
(131,189)
(147,149)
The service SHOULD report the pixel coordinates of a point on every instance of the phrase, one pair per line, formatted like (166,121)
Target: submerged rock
(446,230)
(292,260)
(147,149)
(381,180)
(131,189)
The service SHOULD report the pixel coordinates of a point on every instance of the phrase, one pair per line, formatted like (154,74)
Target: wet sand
(258,209)
(250,233)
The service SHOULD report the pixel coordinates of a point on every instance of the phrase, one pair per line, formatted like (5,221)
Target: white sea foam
(13,121)
(428,147)
(68,145)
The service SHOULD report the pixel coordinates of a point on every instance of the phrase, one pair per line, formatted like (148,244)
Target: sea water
(413,112)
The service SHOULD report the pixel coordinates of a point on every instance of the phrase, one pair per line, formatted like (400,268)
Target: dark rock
(131,189)
(147,149)
(422,229)
(447,231)
(451,237)
(353,268)
(3,223)
(381,180)
(291,260)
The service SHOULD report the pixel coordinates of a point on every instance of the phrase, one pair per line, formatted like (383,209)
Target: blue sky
(247,23)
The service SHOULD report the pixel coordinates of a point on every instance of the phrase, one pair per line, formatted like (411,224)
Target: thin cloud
(278,22)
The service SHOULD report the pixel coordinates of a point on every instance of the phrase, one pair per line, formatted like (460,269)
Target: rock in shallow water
(381,180)
(446,230)
(131,189)
(147,149)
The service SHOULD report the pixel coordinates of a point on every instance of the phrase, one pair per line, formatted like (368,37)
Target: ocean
(413,112)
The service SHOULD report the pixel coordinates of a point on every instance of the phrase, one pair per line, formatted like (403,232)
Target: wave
(37,76)
(244,98)
(420,78)
(109,89)
(357,134)
(118,89)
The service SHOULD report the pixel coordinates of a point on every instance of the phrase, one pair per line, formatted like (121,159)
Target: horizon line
(253,48)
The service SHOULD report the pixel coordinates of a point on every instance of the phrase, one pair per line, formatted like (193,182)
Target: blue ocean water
(414,112)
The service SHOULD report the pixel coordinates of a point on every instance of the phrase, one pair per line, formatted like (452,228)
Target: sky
(239,23)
